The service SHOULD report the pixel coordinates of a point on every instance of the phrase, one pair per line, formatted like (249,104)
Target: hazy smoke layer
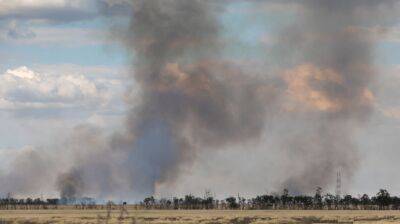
(329,87)
(190,100)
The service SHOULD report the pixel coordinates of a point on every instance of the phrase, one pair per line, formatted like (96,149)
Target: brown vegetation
(198,216)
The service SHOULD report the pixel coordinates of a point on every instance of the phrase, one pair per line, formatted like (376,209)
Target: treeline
(51,203)
(381,201)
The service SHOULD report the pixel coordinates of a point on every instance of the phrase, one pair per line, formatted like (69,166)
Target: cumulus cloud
(60,11)
(27,22)
(23,88)
(47,10)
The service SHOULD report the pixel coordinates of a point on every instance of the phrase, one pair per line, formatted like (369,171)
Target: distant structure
(208,194)
(338,185)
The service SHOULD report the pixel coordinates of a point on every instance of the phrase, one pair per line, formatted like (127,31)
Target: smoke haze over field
(317,88)
(331,76)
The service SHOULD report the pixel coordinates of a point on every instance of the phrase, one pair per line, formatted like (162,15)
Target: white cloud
(60,11)
(23,88)
(13,4)
(17,4)
(23,20)
(38,3)
(27,8)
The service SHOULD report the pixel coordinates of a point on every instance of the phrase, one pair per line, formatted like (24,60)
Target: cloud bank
(22,89)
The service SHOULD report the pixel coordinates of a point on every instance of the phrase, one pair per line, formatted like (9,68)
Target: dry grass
(190,216)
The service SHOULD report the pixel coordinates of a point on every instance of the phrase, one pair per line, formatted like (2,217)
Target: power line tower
(338,185)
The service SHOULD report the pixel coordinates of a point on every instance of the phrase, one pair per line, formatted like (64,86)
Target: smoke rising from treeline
(188,100)
(192,99)
(331,72)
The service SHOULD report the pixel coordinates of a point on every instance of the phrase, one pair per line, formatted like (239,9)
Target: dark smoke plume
(188,100)
(70,185)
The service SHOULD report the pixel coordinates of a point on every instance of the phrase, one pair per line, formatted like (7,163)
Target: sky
(60,67)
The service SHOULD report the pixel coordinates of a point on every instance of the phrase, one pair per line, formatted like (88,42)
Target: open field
(198,216)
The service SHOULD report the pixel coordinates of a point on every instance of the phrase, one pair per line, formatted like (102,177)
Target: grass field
(196,216)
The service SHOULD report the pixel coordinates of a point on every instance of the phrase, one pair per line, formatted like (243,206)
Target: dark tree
(346,201)
(285,198)
(318,198)
(329,200)
(382,199)
(149,202)
(365,201)
(232,204)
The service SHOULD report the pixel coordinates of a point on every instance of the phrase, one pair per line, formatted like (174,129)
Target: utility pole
(338,185)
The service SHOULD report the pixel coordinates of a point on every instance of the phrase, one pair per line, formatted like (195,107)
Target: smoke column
(189,101)
(329,88)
